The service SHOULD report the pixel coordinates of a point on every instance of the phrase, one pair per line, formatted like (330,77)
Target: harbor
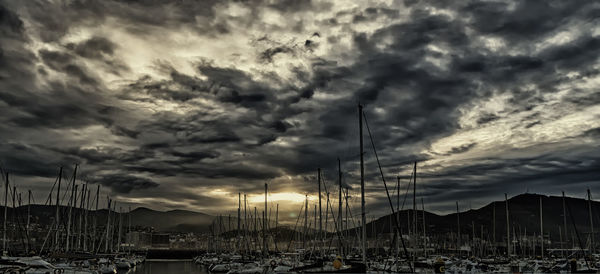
(299,136)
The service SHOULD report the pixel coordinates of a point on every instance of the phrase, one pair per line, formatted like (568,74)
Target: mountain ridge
(161,221)
(524,215)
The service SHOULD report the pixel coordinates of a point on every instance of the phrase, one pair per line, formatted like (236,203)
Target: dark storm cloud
(234,128)
(324,72)
(100,49)
(583,99)
(71,110)
(122,183)
(104,155)
(139,16)
(38,103)
(63,104)
(216,137)
(595,132)
(280,126)
(195,155)
(486,118)
(165,89)
(370,14)
(532,124)
(268,54)
(30,161)
(526,20)
(463,148)
(64,62)
(204,170)
(437,94)
(11,24)
(434,94)
(546,173)
(227,85)
(292,6)
(95,47)
(234,86)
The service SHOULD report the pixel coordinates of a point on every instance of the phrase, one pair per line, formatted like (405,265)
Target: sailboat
(338,265)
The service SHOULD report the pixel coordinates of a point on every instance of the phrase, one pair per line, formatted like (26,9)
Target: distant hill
(163,221)
(524,216)
(171,221)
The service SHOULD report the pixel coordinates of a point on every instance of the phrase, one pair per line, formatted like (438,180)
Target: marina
(299,136)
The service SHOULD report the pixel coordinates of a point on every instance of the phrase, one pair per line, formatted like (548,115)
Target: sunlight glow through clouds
(286,197)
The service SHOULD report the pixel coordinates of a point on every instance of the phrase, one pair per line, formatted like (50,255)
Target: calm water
(166,266)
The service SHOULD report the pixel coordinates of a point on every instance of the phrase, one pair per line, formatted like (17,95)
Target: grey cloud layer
(416,69)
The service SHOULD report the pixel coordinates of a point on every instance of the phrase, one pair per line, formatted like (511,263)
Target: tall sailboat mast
(120,231)
(239,212)
(256,226)
(276,225)
(340,202)
(320,214)
(107,227)
(85,220)
(398,213)
(129,229)
(362,188)
(507,226)
(565,218)
(592,247)
(494,227)
(265,252)
(4,251)
(57,219)
(316,231)
(457,228)
(305,221)
(14,211)
(414,220)
(542,226)
(95,219)
(71,205)
(424,232)
(346,209)
(74,238)
(28,216)
(81,204)
(246,221)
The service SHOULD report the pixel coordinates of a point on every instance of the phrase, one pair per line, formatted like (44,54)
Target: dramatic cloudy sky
(183,104)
